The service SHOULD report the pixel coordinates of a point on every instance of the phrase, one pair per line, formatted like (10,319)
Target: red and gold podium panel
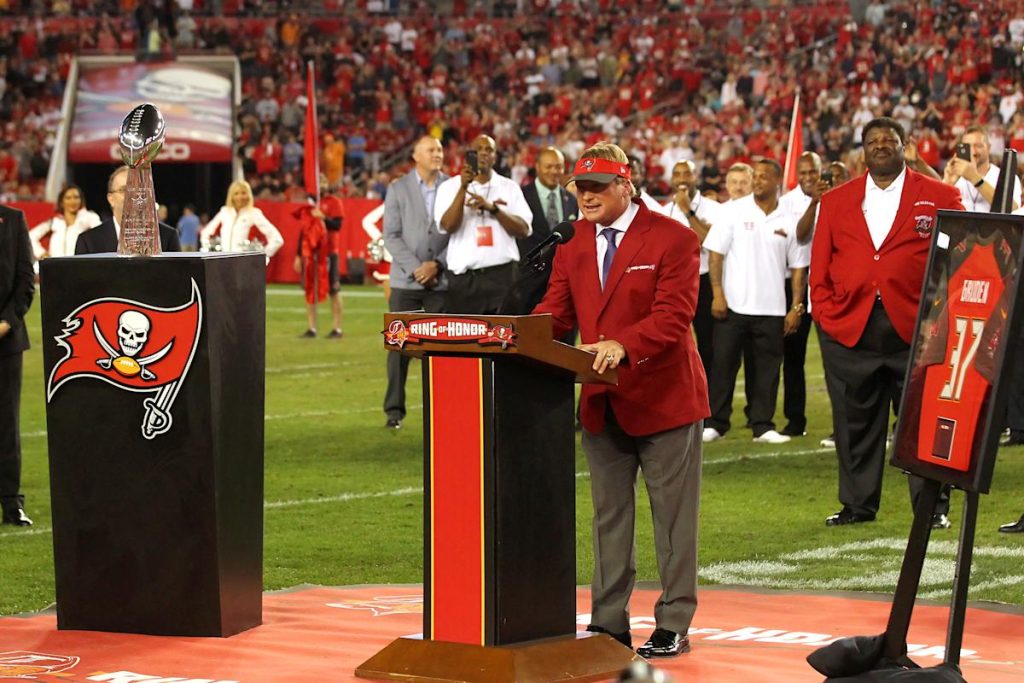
(500,501)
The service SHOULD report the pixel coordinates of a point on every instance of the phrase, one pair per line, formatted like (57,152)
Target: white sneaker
(771,436)
(828,442)
(711,434)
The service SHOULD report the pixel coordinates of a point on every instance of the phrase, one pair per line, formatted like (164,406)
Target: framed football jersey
(954,398)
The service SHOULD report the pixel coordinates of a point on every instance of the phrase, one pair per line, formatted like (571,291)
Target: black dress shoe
(664,643)
(790,430)
(17,517)
(393,423)
(940,521)
(625,638)
(1014,438)
(1013,527)
(847,516)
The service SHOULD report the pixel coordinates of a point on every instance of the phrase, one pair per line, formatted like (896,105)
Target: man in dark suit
(17,287)
(868,261)
(103,238)
(629,279)
(551,204)
(417,251)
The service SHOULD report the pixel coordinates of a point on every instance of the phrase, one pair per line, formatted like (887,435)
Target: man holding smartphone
(972,172)
(484,213)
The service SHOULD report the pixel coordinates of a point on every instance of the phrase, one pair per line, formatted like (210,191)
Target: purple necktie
(609,254)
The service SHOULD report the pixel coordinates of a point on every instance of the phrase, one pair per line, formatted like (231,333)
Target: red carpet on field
(319,635)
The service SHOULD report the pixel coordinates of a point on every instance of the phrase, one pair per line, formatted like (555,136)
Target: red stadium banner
(195,102)
(35,212)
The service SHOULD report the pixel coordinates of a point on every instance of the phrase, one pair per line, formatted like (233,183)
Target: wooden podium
(499,511)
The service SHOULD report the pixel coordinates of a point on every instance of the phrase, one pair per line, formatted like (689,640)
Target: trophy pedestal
(163,534)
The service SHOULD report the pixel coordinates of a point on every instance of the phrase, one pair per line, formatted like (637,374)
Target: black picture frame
(955,236)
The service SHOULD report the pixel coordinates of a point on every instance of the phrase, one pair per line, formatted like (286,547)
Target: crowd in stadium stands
(709,81)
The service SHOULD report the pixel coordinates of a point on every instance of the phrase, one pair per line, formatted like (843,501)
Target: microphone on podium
(532,267)
(560,234)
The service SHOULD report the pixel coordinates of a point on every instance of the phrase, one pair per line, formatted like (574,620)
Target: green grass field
(344,502)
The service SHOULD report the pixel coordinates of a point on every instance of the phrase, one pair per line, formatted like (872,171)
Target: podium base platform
(583,657)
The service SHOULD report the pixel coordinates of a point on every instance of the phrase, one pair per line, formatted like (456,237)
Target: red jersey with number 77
(961,350)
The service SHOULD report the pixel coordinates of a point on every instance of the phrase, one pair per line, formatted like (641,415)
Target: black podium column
(156,452)
(499,513)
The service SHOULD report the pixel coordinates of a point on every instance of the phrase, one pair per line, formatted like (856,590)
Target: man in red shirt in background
(317,257)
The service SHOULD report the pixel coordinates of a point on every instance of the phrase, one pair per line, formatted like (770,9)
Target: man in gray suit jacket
(417,250)
(17,287)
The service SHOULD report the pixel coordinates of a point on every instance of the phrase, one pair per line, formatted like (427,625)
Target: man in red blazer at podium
(867,265)
(629,280)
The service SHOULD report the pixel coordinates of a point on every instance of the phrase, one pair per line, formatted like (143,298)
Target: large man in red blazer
(867,266)
(629,280)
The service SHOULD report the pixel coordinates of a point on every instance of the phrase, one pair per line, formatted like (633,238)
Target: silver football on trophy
(142,135)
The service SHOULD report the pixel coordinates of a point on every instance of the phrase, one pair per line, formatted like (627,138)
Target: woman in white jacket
(69,221)
(236,219)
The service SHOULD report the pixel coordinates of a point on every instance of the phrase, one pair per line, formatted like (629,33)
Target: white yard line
(326,413)
(281,416)
(308,366)
(268,505)
(34,531)
(345,294)
(342,498)
(349,310)
(754,455)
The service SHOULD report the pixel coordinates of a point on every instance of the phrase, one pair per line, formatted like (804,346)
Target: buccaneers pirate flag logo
(134,347)
(29,665)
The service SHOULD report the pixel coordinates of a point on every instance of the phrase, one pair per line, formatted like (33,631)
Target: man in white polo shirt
(749,302)
(697,212)
(483,213)
(794,381)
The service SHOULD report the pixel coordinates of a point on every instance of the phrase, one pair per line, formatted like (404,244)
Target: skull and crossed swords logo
(128,361)
(132,333)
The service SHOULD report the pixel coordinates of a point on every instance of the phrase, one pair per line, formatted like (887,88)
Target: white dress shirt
(880,206)
(620,225)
